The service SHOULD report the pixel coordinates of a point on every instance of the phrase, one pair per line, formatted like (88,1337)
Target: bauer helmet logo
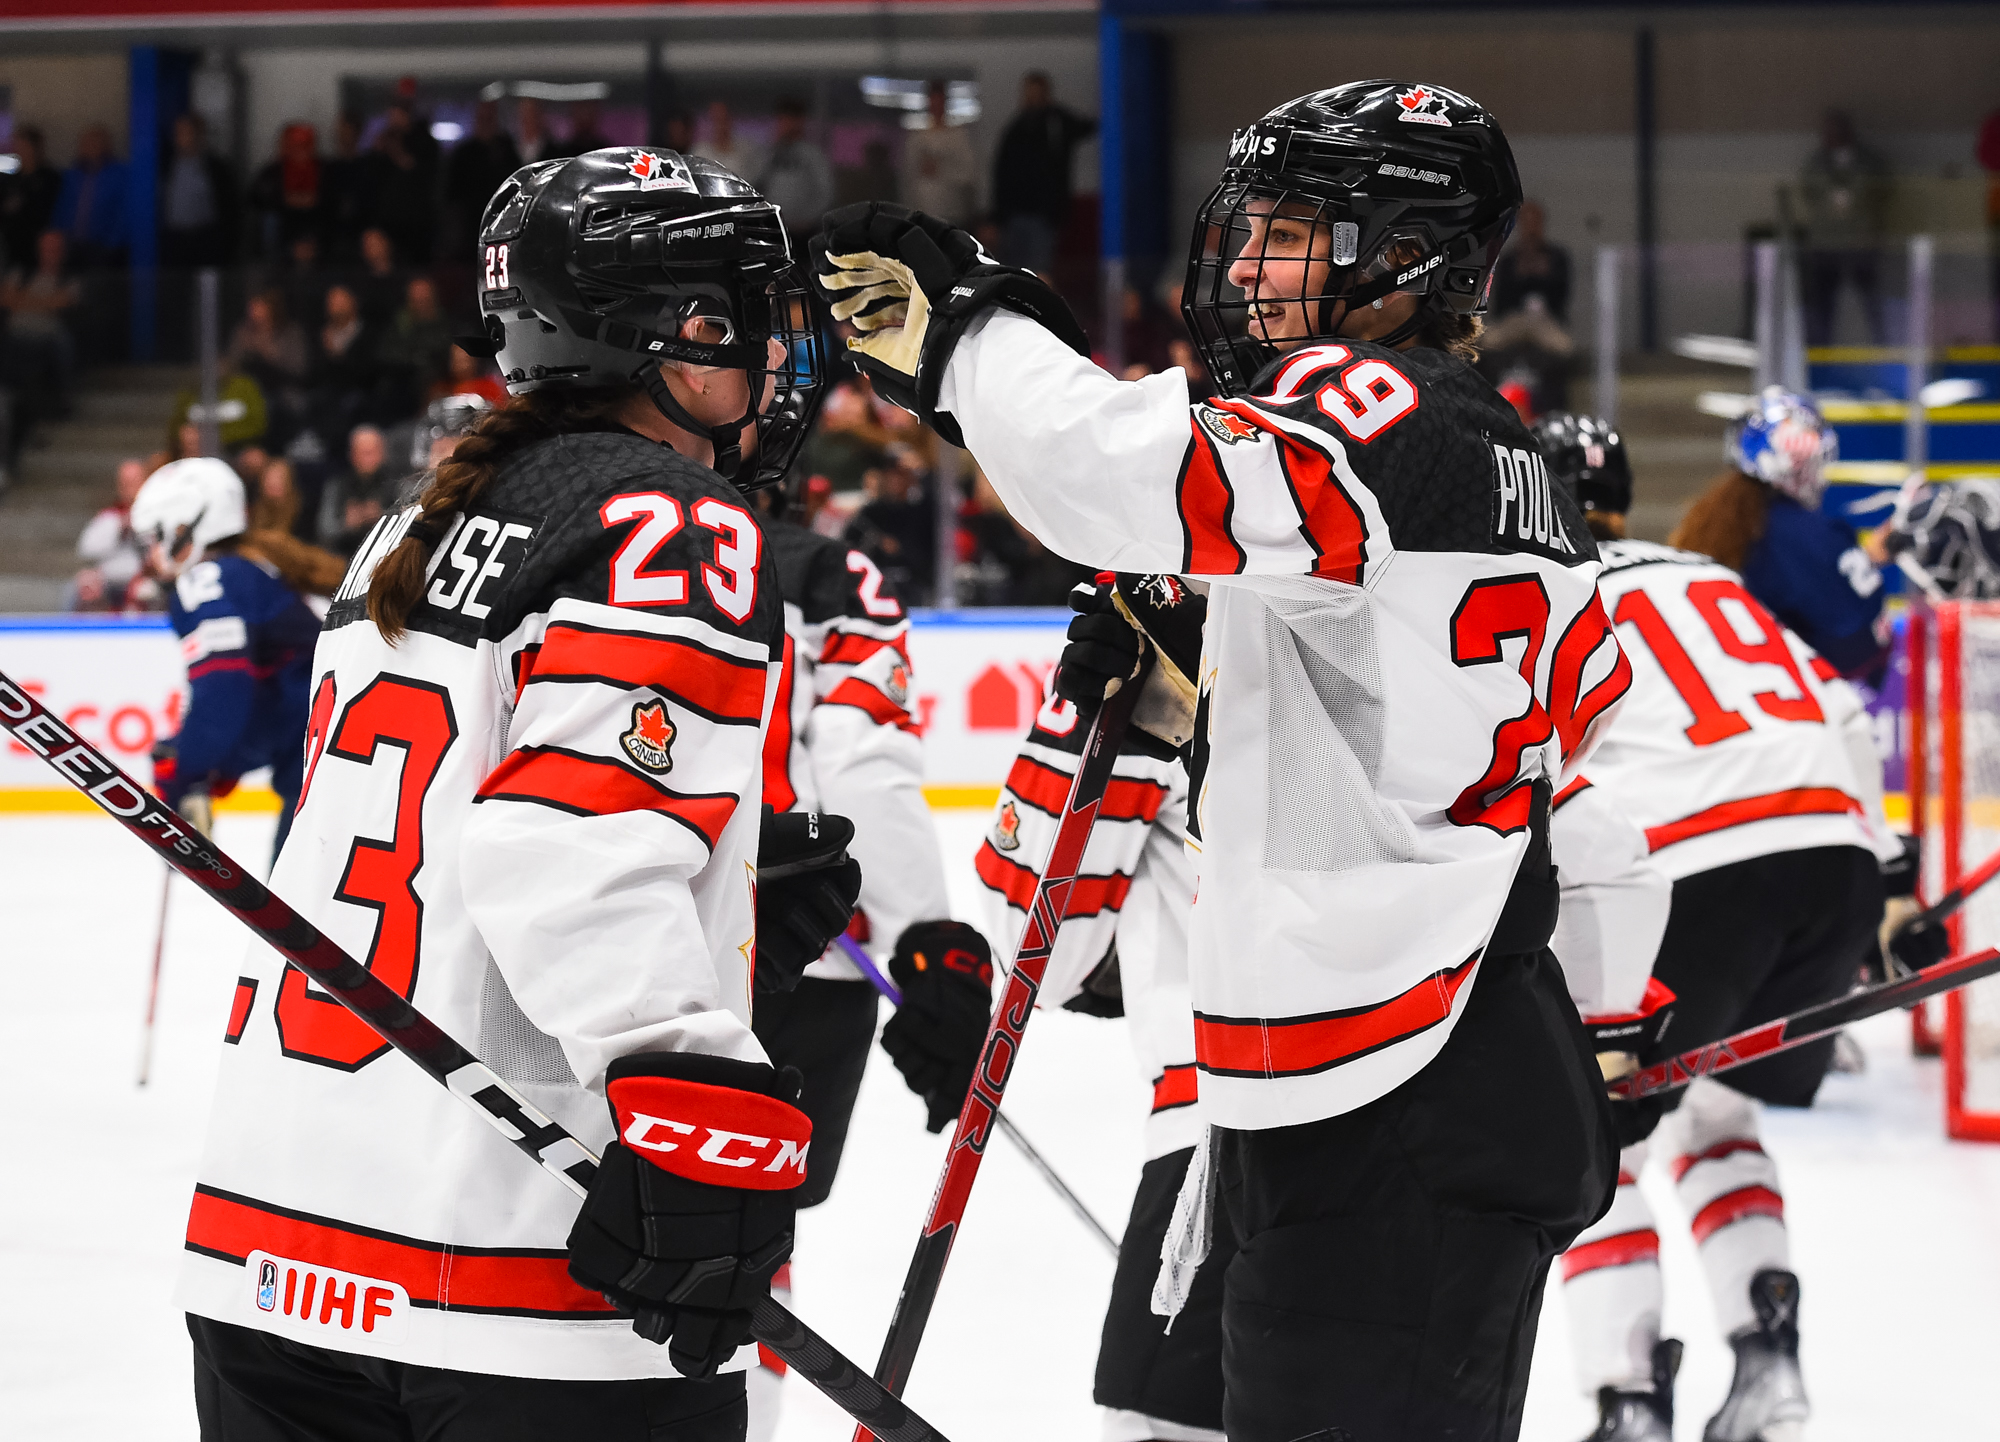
(651,739)
(1418,103)
(1416,270)
(1007,830)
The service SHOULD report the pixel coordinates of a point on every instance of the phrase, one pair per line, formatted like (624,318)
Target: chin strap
(726,439)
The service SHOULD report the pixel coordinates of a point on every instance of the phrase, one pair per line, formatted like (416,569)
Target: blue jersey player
(246,638)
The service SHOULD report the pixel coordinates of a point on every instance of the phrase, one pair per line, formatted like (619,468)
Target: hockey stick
(153,988)
(406,1029)
(887,987)
(1772,1037)
(1003,1041)
(1953,899)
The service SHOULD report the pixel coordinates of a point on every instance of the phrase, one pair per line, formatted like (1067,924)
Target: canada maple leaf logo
(1417,103)
(1007,830)
(1414,99)
(651,739)
(1228,427)
(642,165)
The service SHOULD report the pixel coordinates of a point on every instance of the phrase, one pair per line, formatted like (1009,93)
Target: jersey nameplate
(1525,517)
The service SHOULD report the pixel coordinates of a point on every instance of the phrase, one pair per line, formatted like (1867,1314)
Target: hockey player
(1762,519)
(1732,753)
(1404,651)
(246,639)
(842,739)
(531,802)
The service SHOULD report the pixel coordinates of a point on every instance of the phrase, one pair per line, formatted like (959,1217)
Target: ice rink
(1896,1233)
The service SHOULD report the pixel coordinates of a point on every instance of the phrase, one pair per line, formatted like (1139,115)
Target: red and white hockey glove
(945,972)
(691,1212)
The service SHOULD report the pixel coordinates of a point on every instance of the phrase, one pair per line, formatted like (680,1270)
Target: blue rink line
(84,623)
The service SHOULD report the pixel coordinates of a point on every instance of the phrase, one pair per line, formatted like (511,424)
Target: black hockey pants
(824,1028)
(250,1386)
(1755,940)
(1391,1260)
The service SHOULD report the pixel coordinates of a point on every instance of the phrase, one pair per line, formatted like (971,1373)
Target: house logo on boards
(651,739)
(1007,830)
(323,1304)
(1422,106)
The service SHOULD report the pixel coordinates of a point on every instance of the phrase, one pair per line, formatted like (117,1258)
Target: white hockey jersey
(1402,635)
(842,738)
(1614,902)
(1134,894)
(1730,745)
(536,817)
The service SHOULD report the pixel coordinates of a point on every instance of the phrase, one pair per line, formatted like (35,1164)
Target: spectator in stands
(725,147)
(274,495)
(344,371)
(940,173)
(896,526)
(678,133)
(355,499)
(38,354)
(1526,347)
(271,349)
(1988,150)
(344,193)
(586,131)
(287,193)
(401,182)
(198,202)
(533,140)
(112,559)
(875,178)
(1002,565)
(479,165)
(1845,191)
(1032,174)
(27,199)
(797,177)
(467,375)
(418,345)
(377,287)
(91,210)
(275,513)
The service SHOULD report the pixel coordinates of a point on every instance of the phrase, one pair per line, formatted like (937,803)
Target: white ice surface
(1895,1232)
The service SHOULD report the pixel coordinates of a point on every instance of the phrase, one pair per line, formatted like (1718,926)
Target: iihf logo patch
(267,1286)
(1421,106)
(1007,830)
(650,741)
(1226,426)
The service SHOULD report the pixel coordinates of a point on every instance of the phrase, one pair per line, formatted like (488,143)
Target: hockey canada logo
(655,173)
(1226,427)
(650,741)
(1166,592)
(1421,106)
(899,684)
(1007,831)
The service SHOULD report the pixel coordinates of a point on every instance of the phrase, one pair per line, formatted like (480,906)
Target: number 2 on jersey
(416,718)
(731,578)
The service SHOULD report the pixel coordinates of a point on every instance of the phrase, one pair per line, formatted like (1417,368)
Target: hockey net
(1954,785)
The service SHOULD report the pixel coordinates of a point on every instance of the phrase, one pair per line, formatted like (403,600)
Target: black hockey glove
(1104,648)
(806,889)
(945,971)
(691,1212)
(1118,621)
(1633,1121)
(1900,877)
(912,283)
(1919,943)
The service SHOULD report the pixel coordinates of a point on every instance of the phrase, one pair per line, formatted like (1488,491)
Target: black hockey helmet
(1586,456)
(1398,187)
(591,268)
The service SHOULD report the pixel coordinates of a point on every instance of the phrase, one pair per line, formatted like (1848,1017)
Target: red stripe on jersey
(591,786)
(1736,1206)
(779,793)
(1088,895)
(1047,789)
(845,648)
(1333,525)
(1580,784)
(1299,1046)
(858,693)
(1824,669)
(523,1283)
(524,667)
(220,663)
(239,1009)
(1799,801)
(1619,1251)
(1626,1179)
(1175,1087)
(1205,505)
(721,687)
(1683,1165)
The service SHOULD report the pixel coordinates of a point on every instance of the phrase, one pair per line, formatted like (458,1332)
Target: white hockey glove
(911,284)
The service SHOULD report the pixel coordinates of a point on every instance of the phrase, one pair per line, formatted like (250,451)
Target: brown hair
(461,477)
(1725,520)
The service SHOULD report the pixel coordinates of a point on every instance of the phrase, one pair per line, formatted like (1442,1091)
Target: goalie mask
(596,268)
(1347,195)
(1586,457)
(1785,443)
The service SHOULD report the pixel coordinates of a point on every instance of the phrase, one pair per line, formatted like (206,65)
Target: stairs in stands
(1676,450)
(65,476)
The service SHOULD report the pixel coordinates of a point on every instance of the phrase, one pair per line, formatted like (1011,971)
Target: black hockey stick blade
(1772,1037)
(406,1029)
(1003,1042)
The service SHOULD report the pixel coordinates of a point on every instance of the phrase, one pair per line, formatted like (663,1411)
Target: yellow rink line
(32,799)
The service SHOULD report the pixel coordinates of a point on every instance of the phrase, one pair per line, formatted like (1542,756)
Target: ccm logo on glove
(712,1134)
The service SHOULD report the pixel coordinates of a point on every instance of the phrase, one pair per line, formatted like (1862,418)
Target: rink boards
(119,683)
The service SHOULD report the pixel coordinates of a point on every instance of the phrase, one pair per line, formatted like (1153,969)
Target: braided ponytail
(398,580)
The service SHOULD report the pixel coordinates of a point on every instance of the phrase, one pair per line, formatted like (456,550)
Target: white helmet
(187,506)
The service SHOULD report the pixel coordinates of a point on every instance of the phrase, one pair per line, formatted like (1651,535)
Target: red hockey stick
(1800,1027)
(1003,1042)
(406,1029)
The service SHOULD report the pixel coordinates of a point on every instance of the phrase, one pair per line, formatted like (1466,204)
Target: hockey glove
(1117,622)
(806,889)
(911,284)
(945,971)
(691,1212)
(1918,943)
